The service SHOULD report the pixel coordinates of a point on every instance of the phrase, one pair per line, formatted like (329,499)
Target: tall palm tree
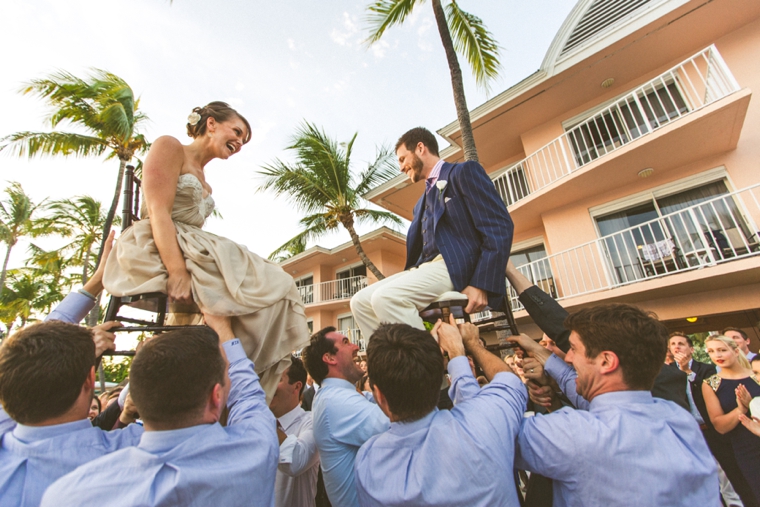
(461,32)
(16,221)
(321,184)
(30,291)
(103,106)
(82,220)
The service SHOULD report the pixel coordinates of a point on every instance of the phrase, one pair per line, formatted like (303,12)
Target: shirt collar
(338,382)
(33,433)
(403,429)
(161,441)
(621,398)
(435,172)
(291,417)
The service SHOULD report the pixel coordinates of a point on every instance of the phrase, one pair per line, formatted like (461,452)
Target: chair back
(131,207)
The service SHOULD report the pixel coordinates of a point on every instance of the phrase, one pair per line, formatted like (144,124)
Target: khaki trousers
(399,298)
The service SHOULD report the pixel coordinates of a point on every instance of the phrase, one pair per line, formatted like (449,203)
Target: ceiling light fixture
(692,320)
(645,173)
(608,82)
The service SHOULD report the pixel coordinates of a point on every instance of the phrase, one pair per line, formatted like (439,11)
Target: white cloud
(424,35)
(379,48)
(291,44)
(239,86)
(344,36)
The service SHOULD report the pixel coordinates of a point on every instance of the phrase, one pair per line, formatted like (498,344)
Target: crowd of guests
(607,409)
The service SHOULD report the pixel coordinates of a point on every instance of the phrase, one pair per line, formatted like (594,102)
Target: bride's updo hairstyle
(221,112)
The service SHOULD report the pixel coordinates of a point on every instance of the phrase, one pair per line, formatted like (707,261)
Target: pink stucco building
(630,163)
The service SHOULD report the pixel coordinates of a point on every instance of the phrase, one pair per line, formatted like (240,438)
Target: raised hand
(449,338)
(532,347)
(477,299)
(222,326)
(179,288)
(743,398)
(103,337)
(533,370)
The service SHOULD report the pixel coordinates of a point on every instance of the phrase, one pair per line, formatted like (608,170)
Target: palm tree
(81,219)
(461,32)
(30,291)
(16,221)
(104,107)
(321,184)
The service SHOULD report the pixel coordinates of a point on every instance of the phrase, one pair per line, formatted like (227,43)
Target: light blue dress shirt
(624,448)
(204,465)
(32,458)
(343,421)
(458,457)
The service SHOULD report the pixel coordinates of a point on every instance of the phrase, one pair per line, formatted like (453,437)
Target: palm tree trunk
(463,114)
(92,317)
(349,225)
(5,266)
(111,210)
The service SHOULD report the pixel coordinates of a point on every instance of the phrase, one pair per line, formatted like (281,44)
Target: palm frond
(378,172)
(376,217)
(32,144)
(473,40)
(315,227)
(384,14)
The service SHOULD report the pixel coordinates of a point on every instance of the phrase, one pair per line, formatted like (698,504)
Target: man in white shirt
(296,481)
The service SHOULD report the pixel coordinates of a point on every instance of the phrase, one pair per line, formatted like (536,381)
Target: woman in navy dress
(727,396)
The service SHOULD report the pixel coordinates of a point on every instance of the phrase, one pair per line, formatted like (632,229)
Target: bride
(167,251)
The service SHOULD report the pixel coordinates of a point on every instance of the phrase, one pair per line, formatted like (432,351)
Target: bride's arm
(160,175)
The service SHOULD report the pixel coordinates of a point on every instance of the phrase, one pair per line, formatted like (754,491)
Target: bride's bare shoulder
(168,143)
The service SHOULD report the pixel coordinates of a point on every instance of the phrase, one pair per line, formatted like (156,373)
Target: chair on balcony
(156,303)
(454,303)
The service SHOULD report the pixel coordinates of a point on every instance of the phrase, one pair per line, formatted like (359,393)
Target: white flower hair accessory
(193,118)
(440,185)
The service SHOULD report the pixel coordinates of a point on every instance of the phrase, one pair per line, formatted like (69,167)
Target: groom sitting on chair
(459,240)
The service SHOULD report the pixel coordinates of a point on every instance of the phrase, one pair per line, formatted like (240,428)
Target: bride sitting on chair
(167,251)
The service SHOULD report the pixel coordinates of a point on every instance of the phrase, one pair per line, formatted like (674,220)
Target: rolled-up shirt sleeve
(463,384)
(72,309)
(565,376)
(298,454)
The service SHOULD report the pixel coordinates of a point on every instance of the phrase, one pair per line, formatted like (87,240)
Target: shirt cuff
(286,449)
(459,367)
(234,350)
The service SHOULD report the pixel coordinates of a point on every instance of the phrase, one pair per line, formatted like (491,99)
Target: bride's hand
(178,287)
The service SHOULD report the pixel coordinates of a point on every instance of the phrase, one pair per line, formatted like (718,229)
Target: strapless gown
(227,279)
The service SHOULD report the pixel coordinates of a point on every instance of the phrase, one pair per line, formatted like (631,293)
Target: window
(310,324)
(625,120)
(306,289)
(360,270)
(536,267)
(675,232)
(347,326)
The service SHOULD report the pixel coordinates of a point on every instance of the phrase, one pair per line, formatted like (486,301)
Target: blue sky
(278,63)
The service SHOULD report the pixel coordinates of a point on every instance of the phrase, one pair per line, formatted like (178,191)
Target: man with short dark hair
(459,240)
(635,449)
(343,418)
(431,457)
(181,382)
(47,381)
(296,483)
(741,339)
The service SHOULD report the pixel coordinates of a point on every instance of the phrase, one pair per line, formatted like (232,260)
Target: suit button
(424,243)
(424,231)
(427,207)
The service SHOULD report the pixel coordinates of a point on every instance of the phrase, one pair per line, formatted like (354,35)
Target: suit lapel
(440,197)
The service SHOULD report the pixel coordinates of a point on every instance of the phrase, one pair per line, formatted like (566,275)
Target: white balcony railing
(688,87)
(712,232)
(355,335)
(333,290)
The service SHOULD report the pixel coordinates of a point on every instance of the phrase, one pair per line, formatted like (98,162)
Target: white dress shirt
(296,482)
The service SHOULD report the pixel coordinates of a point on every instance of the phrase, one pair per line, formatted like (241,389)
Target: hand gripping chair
(156,303)
(454,303)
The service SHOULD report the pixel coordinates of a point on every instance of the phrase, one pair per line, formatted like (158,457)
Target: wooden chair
(156,303)
(454,303)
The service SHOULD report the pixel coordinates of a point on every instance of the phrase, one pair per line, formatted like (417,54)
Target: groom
(459,240)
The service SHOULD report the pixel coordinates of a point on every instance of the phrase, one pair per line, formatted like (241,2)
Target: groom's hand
(477,299)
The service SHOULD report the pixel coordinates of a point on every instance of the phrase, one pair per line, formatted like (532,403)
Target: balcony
(711,233)
(676,94)
(332,291)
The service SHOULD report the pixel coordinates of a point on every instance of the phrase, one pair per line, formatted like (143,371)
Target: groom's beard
(416,174)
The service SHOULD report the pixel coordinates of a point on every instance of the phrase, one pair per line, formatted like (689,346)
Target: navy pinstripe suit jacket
(473,230)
